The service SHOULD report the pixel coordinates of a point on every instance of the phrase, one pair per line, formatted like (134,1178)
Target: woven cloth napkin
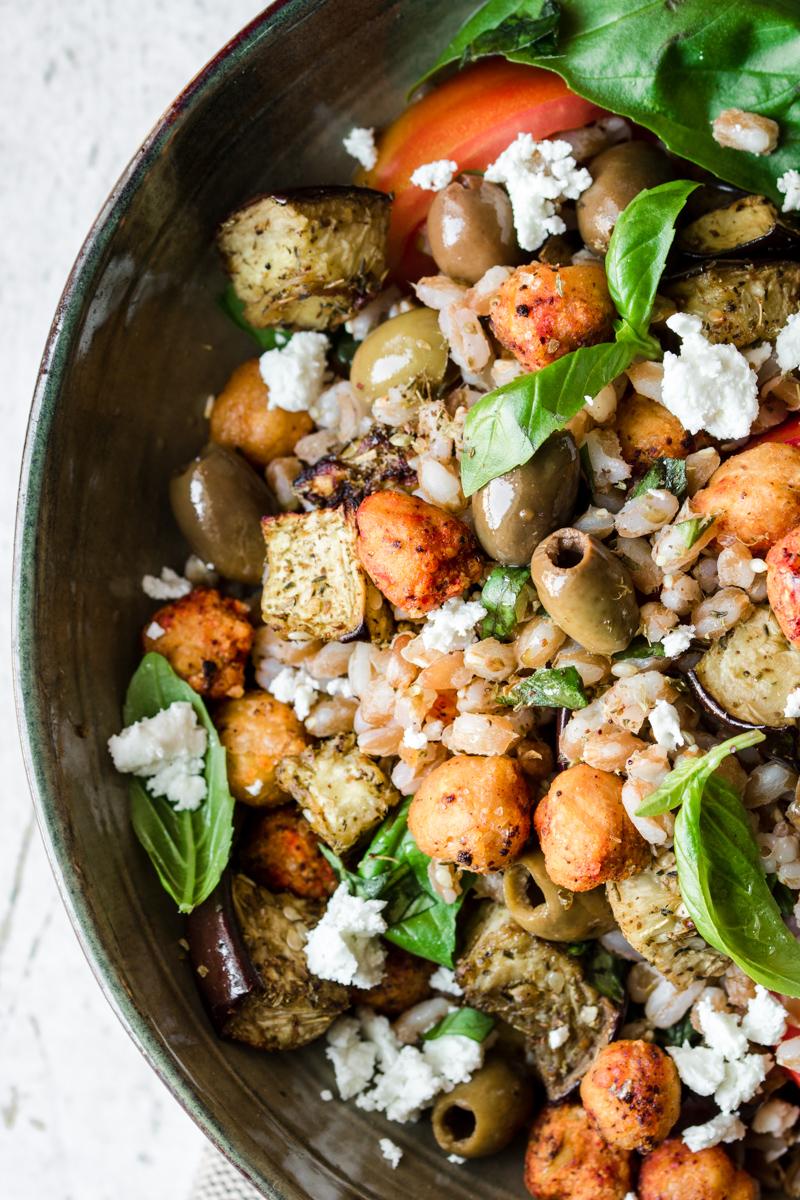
(216,1179)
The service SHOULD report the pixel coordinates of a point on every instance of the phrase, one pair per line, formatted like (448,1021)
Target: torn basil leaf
(466,1022)
(272,338)
(668,474)
(639,648)
(506,596)
(549,687)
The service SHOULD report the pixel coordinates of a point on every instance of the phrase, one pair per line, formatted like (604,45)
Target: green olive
(481,1116)
(471,228)
(515,511)
(405,350)
(552,912)
(218,502)
(618,174)
(586,590)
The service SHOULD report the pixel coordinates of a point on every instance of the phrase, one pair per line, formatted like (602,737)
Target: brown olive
(586,590)
(552,912)
(218,502)
(471,228)
(618,175)
(481,1116)
(515,511)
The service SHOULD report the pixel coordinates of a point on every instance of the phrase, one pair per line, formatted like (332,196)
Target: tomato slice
(788,432)
(469,119)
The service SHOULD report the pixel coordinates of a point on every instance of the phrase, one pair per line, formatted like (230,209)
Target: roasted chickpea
(415,554)
(585,834)
(206,638)
(242,420)
(471,228)
(257,732)
(618,174)
(481,1116)
(647,431)
(400,353)
(280,851)
(406,982)
(755,495)
(783,584)
(473,811)
(633,1094)
(674,1172)
(567,1159)
(541,312)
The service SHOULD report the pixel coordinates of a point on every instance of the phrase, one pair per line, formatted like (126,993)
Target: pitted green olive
(481,1116)
(515,511)
(405,350)
(586,590)
(471,228)
(552,912)
(618,174)
(218,502)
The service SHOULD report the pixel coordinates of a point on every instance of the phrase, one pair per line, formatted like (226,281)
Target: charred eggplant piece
(785,743)
(364,466)
(739,302)
(309,257)
(246,946)
(506,971)
(748,225)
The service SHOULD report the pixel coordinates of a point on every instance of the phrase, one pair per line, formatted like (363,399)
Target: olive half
(471,228)
(618,175)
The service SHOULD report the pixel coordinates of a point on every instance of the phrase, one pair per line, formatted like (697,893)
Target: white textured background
(81,81)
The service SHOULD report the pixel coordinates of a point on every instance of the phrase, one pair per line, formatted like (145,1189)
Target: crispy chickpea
(647,431)
(474,811)
(257,732)
(783,584)
(567,1159)
(541,312)
(404,984)
(674,1172)
(416,555)
(633,1094)
(585,833)
(241,420)
(206,639)
(281,852)
(755,495)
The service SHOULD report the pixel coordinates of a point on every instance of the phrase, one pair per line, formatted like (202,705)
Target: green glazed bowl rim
(30,719)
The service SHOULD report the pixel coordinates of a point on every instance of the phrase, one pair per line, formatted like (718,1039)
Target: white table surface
(82,1117)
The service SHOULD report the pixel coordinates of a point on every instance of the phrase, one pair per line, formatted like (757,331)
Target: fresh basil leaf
(639,648)
(665,473)
(506,595)
(367,889)
(189,850)
(272,338)
(575,949)
(725,891)
(637,253)
(678,1034)
(693,529)
(466,1022)
(343,349)
(693,774)
(507,27)
(785,898)
(549,687)
(606,972)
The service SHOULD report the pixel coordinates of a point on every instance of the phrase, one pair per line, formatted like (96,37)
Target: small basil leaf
(550,687)
(268,339)
(692,530)
(639,648)
(665,473)
(505,596)
(189,850)
(466,1022)
(693,774)
(678,1034)
(606,972)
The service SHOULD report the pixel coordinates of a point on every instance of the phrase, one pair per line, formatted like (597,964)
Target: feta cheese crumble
(793,704)
(391,1152)
(294,373)
(538,175)
(787,344)
(557,1038)
(458,1159)
(677,640)
(154,631)
(452,627)
(434,176)
(723,1128)
(294,685)
(766,1018)
(742,1080)
(721,1030)
(414,739)
(444,980)
(789,185)
(168,752)
(326,1094)
(708,386)
(360,145)
(666,726)
(168,586)
(344,945)
(701,1069)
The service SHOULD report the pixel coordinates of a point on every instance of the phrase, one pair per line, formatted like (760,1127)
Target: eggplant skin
(306,258)
(739,302)
(751,671)
(363,467)
(505,971)
(748,225)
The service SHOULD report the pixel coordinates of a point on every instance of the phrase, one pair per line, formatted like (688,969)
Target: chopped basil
(506,595)
(268,339)
(507,27)
(692,530)
(466,1022)
(639,648)
(666,473)
(678,1034)
(550,687)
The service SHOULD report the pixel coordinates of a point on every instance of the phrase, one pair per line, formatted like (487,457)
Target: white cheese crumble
(360,145)
(775,1116)
(168,752)
(589,1014)
(452,627)
(434,176)
(789,185)
(414,739)
(787,344)
(344,946)
(557,1038)
(708,386)
(391,1152)
(458,1159)
(169,586)
(154,631)
(294,685)
(294,373)
(765,1019)
(677,640)
(538,175)
(353,1059)
(326,1094)
(666,726)
(742,1080)
(701,1069)
(724,1128)
(444,980)
(255,787)
(793,704)
(721,1030)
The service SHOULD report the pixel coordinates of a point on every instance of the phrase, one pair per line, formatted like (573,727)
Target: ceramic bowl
(137,345)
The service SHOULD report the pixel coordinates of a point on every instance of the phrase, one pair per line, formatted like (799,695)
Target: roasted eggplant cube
(364,466)
(314,583)
(752,670)
(507,972)
(750,224)
(740,303)
(649,910)
(342,793)
(307,258)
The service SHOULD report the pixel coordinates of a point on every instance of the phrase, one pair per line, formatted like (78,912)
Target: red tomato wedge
(788,432)
(791,1032)
(469,119)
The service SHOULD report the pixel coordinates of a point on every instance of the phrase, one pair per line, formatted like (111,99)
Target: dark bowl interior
(137,345)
